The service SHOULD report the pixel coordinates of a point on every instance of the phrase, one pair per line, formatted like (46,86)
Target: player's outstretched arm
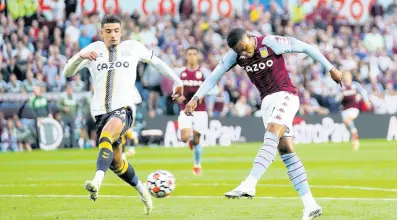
(215,90)
(165,70)
(282,45)
(147,56)
(363,93)
(78,62)
(227,63)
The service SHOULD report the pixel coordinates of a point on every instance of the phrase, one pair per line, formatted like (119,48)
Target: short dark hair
(108,19)
(192,48)
(234,36)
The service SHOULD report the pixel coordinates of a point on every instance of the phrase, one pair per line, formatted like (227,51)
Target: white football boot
(146,199)
(245,189)
(312,213)
(92,189)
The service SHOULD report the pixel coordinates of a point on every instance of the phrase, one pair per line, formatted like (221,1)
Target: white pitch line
(212,184)
(195,197)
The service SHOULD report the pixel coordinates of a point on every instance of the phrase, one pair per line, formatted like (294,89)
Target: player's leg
(278,111)
(298,177)
(109,130)
(197,153)
(266,153)
(349,115)
(186,134)
(265,156)
(185,126)
(126,172)
(200,125)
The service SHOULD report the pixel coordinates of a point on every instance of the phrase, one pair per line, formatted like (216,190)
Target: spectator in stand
(84,39)
(241,108)
(9,139)
(14,86)
(3,122)
(50,71)
(29,82)
(310,106)
(11,68)
(73,30)
(77,84)
(3,84)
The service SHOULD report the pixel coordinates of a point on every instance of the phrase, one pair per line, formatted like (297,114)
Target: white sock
(99,176)
(251,180)
(308,200)
(140,187)
(265,155)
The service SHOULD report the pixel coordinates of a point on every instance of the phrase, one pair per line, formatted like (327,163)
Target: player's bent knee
(196,138)
(286,145)
(195,141)
(276,129)
(347,121)
(185,138)
(185,135)
(114,127)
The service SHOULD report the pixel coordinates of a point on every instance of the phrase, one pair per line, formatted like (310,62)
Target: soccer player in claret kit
(351,95)
(193,76)
(262,59)
(113,67)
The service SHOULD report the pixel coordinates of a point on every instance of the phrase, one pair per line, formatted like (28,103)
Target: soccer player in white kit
(262,59)
(113,67)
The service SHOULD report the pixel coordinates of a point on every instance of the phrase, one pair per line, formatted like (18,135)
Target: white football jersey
(114,74)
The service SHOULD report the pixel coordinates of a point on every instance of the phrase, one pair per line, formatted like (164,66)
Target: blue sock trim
(271,136)
(296,173)
(198,149)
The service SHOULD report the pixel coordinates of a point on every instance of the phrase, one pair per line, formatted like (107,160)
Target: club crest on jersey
(263,52)
(198,75)
(112,65)
(184,74)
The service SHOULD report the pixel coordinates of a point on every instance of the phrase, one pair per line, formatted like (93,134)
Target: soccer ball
(161,183)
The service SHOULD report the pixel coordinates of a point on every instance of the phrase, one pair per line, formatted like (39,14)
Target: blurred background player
(193,76)
(262,59)
(113,65)
(129,137)
(351,96)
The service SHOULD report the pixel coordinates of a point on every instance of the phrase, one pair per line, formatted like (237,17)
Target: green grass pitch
(347,184)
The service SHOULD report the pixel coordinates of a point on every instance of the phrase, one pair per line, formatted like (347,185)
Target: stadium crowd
(33,51)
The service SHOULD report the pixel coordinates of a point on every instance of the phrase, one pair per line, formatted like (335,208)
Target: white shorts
(350,113)
(280,108)
(198,122)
